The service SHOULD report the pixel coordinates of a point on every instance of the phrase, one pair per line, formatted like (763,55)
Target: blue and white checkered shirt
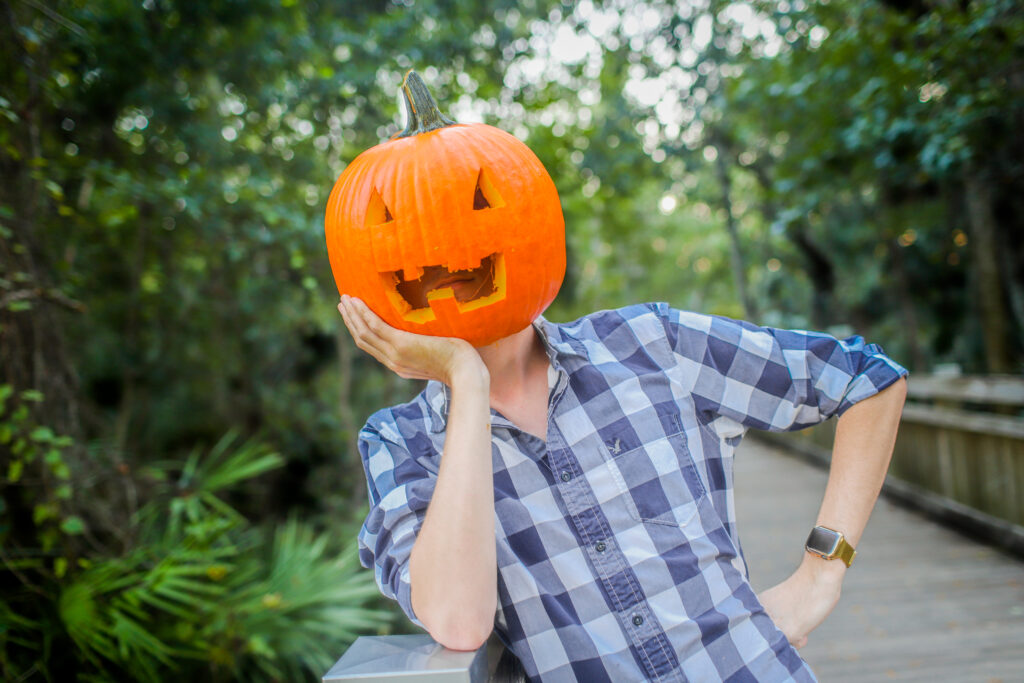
(618,557)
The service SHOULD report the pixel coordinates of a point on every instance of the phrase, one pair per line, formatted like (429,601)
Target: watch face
(823,541)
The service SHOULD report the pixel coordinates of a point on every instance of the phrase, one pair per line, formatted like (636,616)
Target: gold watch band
(845,552)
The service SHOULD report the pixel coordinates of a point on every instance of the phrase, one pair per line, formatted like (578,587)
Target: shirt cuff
(404,596)
(879,372)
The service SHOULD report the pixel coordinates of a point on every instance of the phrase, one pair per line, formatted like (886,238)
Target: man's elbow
(462,631)
(897,391)
(891,397)
(455,621)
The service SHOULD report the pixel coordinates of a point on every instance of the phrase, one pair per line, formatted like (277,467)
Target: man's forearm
(453,569)
(865,436)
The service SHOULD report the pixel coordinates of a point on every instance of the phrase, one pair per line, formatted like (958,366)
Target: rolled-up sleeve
(400,489)
(774,379)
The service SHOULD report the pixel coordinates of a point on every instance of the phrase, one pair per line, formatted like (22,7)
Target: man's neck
(513,362)
(518,365)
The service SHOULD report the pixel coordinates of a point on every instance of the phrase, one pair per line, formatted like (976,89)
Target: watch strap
(845,552)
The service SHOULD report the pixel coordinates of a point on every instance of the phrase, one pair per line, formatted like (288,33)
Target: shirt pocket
(657,479)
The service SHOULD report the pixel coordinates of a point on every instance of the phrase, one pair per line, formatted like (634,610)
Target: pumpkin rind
(428,185)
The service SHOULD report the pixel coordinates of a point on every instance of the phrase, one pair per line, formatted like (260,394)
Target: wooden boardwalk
(921,603)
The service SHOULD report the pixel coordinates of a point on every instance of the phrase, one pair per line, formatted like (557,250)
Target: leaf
(73,525)
(43,512)
(19,306)
(42,434)
(14,471)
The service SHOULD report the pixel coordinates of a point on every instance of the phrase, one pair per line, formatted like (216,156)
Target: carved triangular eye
(377,212)
(486,194)
(479,200)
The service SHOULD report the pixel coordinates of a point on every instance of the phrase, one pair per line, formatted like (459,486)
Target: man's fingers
(358,315)
(349,323)
(378,332)
(352,322)
(357,329)
(412,356)
(371,320)
(365,338)
(377,338)
(396,343)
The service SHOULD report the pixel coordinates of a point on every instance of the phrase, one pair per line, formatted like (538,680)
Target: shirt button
(637,620)
(600,547)
(566,476)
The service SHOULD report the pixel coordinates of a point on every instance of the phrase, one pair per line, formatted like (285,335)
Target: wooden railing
(418,659)
(959,455)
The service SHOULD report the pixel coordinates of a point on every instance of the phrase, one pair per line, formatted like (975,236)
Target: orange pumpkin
(447,229)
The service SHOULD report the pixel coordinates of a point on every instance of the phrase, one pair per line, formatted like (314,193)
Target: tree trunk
(822,273)
(32,350)
(906,302)
(1014,289)
(818,265)
(992,309)
(33,353)
(738,267)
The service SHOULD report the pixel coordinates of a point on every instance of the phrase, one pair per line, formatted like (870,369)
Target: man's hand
(801,602)
(412,356)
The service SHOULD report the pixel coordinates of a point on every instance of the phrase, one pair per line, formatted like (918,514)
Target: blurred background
(179,400)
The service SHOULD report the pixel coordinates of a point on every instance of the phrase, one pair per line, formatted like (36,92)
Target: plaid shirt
(618,557)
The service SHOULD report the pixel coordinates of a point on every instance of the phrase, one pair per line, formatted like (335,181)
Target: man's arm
(453,565)
(781,380)
(865,435)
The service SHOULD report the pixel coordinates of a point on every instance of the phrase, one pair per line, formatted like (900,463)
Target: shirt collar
(558,345)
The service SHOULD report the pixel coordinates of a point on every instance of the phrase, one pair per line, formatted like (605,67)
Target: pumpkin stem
(422,113)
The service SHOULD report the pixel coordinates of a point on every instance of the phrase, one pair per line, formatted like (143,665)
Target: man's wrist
(821,570)
(470,374)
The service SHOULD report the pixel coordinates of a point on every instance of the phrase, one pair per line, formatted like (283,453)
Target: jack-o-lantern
(447,229)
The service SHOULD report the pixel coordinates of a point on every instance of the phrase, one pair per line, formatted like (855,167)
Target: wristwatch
(829,544)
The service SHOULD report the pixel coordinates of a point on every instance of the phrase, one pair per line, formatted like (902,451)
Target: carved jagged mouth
(470,289)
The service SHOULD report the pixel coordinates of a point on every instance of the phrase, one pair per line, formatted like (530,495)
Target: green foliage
(843,140)
(37,478)
(869,129)
(202,592)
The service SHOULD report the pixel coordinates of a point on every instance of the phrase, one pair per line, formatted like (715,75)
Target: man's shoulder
(600,324)
(648,322)
(395,423)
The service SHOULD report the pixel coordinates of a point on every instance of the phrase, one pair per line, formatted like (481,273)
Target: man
(571,487)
